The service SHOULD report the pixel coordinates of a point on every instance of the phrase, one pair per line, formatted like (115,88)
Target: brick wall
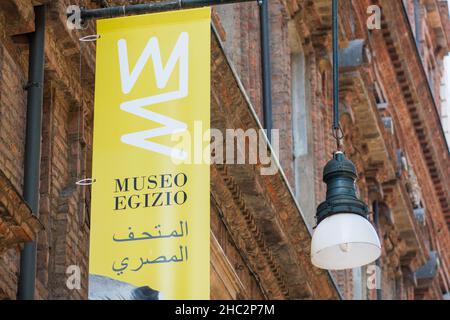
(242,43)
(12,144)
(63,210)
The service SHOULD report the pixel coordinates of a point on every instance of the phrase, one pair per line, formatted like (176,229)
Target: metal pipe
(335,31)
(151,7)
(266,67)
(27,277)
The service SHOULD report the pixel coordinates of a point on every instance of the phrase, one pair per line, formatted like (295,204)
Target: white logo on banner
(162,75)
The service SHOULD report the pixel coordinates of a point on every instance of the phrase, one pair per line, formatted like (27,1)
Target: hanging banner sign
(150,202)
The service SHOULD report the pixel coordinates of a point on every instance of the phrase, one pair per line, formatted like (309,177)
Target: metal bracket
(86,182)
(89,38)
(30,85)
(160,6)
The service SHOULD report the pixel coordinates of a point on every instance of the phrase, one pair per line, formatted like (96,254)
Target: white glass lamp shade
(344,241)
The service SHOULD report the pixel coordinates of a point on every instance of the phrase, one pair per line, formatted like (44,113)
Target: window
(303,156)
(299,114)
(379,92)
(418,24)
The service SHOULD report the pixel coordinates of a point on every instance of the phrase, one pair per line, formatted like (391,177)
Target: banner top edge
(157,18)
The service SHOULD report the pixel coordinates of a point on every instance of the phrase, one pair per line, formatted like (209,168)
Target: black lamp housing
(340,175)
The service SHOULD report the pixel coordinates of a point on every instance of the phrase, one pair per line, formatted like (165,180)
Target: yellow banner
(150,203)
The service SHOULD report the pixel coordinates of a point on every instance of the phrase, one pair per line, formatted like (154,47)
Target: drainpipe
(27,277)
(265,65)
(376,222)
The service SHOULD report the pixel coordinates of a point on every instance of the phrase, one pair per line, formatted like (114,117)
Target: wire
(83,40)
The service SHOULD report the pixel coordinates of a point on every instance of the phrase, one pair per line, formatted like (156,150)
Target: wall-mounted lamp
(344,238)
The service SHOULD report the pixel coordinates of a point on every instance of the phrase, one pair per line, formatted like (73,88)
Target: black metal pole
(27,277)
(266,68)
(170,5)
(335,31)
